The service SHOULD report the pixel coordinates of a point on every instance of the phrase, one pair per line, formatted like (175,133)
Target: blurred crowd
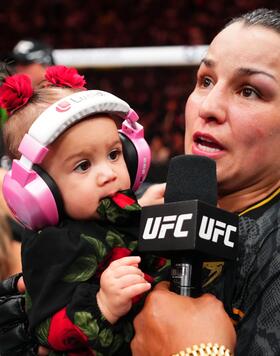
(158,93)
(108,23)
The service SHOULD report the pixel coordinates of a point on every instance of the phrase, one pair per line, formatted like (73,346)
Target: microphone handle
(186,275)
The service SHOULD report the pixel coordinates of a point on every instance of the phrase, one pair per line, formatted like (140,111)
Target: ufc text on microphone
(188,228)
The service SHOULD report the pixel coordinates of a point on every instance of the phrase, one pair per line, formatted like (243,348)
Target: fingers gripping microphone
(189,228)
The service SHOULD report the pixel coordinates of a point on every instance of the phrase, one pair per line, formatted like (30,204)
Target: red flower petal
(63,334)
(15,92)
(119,252)
(122,200)
(65,77)
(148,278)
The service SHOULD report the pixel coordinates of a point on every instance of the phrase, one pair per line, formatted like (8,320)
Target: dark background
(158,94)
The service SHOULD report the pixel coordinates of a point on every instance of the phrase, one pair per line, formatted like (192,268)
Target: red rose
(119,252)
(15,92)
(159,262)
(122,200)
(65,77)
(148,278)
(63,334)
(115,254)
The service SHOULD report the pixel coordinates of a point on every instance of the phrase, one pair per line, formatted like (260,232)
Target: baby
(71,188)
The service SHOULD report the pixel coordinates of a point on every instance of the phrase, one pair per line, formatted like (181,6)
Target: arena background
(157,93)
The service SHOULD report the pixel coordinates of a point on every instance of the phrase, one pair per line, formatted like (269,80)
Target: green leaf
(99,247)
(128,331)
(42,332)
(28,301)
(105,337)
(115,239)
(82,269)
(88,325)
(57,353)
(133,245)
(117,342)
(133,207)
(103,207)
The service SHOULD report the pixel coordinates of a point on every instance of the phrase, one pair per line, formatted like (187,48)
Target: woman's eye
(82,166)
(114,154)
(249,92)
(205,82)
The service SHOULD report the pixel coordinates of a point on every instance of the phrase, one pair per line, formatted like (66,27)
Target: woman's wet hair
(269,18)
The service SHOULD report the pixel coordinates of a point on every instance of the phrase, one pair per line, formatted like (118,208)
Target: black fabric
(258,209)
(48,257)
(9,285)
(250,288)
(257,292)
(15,338)
(62,266)
(16,228)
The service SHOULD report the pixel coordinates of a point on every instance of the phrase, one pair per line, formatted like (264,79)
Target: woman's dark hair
(269,18)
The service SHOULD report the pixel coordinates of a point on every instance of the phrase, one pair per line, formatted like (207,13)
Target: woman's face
(233,114)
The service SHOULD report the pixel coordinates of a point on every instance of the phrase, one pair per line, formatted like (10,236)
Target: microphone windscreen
(191,177)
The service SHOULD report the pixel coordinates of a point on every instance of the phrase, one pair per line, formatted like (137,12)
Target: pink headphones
(31,193)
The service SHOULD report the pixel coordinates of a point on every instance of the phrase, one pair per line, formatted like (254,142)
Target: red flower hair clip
(65,77)
(15,92)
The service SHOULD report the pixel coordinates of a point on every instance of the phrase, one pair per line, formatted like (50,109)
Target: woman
(233,117)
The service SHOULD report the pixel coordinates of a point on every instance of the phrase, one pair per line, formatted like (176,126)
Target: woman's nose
(213,105)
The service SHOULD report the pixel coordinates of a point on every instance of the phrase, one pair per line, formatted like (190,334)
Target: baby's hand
(153,195)
(119,283)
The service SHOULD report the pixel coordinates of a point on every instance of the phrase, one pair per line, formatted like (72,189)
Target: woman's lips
(206,143)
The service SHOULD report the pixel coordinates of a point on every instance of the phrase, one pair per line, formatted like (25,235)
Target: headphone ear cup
(52,187)
(130,157)
(32,196)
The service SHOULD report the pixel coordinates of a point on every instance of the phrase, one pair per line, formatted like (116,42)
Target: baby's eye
(82,166)
(114,154)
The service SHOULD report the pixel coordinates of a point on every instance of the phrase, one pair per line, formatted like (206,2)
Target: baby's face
(87,164)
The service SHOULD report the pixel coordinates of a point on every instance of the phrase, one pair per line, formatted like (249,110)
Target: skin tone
(233,117)
(36,71)
(15,258)
(158,325)
(92,169)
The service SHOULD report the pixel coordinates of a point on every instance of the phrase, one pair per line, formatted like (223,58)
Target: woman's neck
(240,200)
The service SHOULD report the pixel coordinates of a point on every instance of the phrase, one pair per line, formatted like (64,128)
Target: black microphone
(188,228)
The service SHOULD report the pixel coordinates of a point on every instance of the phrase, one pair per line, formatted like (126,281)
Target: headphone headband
(69,110)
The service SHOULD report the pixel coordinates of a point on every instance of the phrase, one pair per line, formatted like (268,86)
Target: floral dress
(62,266)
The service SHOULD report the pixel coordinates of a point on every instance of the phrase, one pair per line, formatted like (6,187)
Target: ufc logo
(157,227)
(211,229)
